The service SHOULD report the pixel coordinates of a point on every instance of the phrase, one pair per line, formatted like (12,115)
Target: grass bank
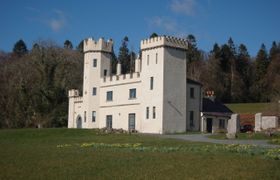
(247,108)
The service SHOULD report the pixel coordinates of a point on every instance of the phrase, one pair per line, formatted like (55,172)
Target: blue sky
(251,22)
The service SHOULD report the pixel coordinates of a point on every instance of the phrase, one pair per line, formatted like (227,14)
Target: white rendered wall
(175,79)
(150,67)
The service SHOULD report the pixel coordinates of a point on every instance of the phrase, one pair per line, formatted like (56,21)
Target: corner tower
(97,57)
(164,82)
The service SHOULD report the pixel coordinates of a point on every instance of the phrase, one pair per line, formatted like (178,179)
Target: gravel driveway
(204,138)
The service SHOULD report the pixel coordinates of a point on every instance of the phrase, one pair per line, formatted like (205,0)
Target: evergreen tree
(68,44)
(193,53)
(273,51)
(153,35)
(259,88)
(80,47)
(244,70)
(124,57)
(20,48)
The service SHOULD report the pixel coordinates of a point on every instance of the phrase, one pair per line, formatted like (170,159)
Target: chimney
(137,65)
(210,95)
(119,69)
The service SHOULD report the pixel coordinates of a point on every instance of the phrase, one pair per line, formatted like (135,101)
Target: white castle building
(156,98)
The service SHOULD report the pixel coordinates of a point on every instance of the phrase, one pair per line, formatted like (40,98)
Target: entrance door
(209,125)
(131,121)
(109,121)
(79,122)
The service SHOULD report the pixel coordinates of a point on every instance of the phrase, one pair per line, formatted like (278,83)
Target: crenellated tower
(97,57)
(164,82)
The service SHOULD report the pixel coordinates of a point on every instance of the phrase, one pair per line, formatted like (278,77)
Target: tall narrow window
(192,92)
(105,72)
(151,83)
(221,123)
(93,116)
(191,119)
(94,91)
(85,116)
(156,58)
(94,62)
(148,58)
(154,112)
(132,93)
(147,112)
(109,121)
(109,96)
(131,121)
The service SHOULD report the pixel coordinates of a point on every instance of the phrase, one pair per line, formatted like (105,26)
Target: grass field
(247,108)
(64,154)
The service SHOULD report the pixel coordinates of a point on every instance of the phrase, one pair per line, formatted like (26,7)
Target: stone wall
(265,122)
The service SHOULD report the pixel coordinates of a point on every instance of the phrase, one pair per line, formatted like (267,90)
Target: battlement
(100,45)
(164,41)
(119,79)
(73,93)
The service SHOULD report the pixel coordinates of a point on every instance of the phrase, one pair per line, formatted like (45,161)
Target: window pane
(154,112)
(94,62)
(132,93)
(93,116)
(151,83)
(85,116)
(191,119)
(109,96)
(156,58)
(131,121)
(147,112)
(192,92)
(109,121)
(94,91)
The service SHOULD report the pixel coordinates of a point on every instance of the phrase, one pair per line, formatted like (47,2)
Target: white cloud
(186,7)
(55,19)
(164,23)
(58,21)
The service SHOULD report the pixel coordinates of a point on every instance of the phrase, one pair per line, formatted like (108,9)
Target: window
(109,96)
(191,119)
(148,57)
(94,91)
(85,116)
(154,112)
(151,83)
(109,121)
(147,112)
(192,92)
(105,72)
(221,123)
(156,58)
(93,116)
(131,121)
(132,93)
(94,62)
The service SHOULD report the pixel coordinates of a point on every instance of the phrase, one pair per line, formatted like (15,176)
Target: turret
(90,45)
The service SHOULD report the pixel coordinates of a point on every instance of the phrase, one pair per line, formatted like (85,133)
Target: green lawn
(58,154)
(247,108)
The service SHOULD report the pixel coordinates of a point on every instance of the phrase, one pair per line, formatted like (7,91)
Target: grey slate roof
(214,107)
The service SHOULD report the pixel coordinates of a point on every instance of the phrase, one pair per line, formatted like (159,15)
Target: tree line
(233,74)
(35,83)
